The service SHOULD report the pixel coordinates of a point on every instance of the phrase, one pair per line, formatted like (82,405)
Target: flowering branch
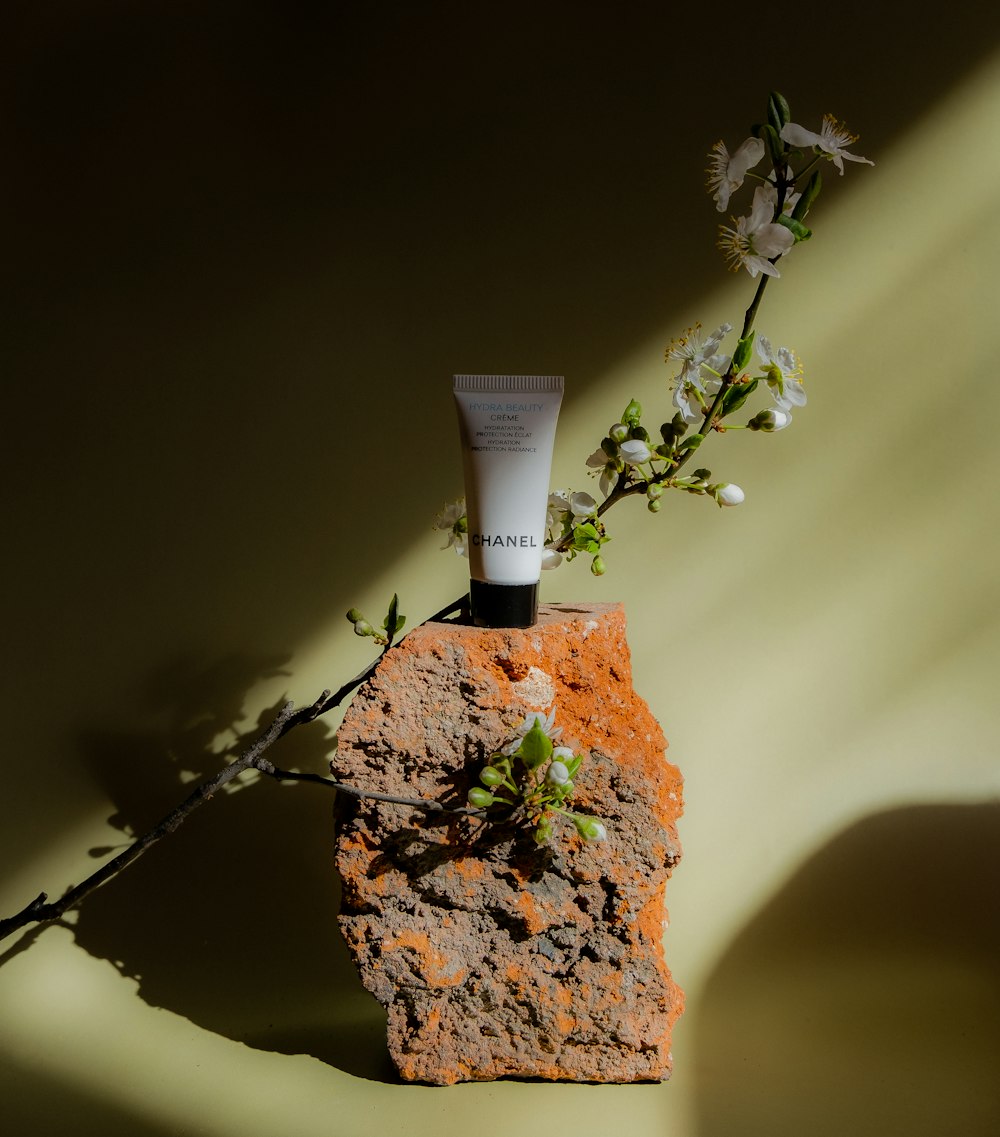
(711,385)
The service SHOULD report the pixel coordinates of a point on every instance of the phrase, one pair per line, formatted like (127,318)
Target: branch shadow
(865,997)
(231,920)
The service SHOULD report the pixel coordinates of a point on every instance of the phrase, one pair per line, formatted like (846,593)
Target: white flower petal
(551,558)
(582,505)
(730,494)
(772,240)
(796,135)
(635,452)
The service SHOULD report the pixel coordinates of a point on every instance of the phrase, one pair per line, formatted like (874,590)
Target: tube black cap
(503,605)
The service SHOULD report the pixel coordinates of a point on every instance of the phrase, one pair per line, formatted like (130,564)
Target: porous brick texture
(494,956)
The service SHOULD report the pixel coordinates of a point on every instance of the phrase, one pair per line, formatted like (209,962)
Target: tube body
(507,425)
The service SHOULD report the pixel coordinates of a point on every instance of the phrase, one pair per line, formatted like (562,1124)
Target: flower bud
(618,433)
(770,420)
(590,829)
(543,831)
(654,490)
(609,446)
(491,776)
(551,558)
(728,494)
(480,798)
(562,753)
(363,628)
(354,615)
(557,774)
(635,452)
(597,566)
(654,506)
(632,414)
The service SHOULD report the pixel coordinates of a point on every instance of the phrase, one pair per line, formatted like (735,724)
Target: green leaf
(736,396)
(535,748)
(809,195)
(799,231)
(775,147)
(393,621)
(778,111)
(744,349)
(573,765)
(584,536)
(692,442)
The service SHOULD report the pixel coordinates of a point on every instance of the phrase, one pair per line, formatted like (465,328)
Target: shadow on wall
(865,998)
(253,241)
(231,920)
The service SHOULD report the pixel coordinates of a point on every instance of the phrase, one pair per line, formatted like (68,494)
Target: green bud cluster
(540,779)
(392,623)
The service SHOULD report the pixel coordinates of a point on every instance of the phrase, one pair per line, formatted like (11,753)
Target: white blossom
(692,350)
(770,191)
(783,372)
(689,400)
(727,171)
(753,241)
(452,520)
(833,139)
(692,386)
(608,467)
(557,512)
(582,505)
(546,723)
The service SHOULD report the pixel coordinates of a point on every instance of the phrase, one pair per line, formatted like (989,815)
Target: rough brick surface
(493,956)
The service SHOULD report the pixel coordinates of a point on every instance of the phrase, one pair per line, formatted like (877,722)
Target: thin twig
(42,910)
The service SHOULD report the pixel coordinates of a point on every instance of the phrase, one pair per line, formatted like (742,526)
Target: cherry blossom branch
(42,910)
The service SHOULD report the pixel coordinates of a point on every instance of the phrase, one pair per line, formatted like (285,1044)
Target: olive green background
(246,246)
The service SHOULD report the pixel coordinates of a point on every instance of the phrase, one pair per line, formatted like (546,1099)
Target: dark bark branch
(42,910)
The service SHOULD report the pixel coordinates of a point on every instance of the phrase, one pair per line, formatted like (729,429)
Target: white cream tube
(508,427)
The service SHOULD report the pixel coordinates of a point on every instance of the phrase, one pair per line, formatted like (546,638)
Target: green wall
(246,246)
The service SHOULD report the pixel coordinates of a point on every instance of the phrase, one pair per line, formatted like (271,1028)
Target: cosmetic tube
(508,426)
